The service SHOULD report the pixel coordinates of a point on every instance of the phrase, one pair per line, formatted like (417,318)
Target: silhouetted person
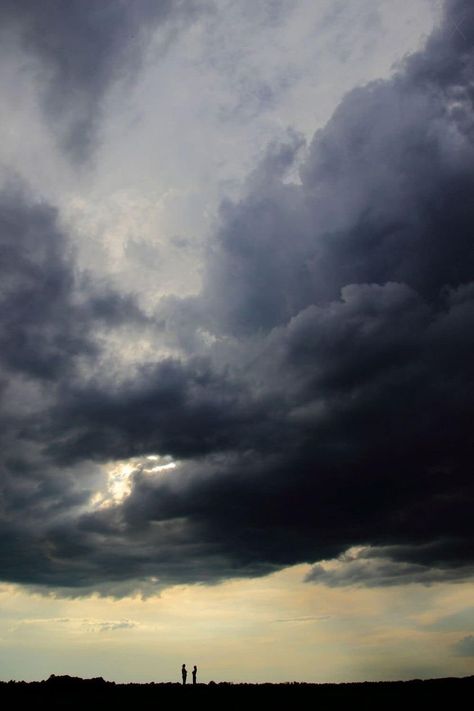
(184,673)
(195,671)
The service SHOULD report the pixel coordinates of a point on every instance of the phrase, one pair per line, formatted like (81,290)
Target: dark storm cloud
(46,309)
(50,320)
(39,333)
(323,395)
(187,409)
(82,47)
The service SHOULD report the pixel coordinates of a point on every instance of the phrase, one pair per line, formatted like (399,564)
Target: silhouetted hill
(73,692)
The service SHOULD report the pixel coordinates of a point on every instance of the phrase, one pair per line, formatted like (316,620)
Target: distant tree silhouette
(75,694)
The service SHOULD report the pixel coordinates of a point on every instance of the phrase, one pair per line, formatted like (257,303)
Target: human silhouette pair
(184,673)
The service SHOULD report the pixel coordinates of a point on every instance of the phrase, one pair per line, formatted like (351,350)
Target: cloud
(304,619)
(80,50)
(47,310)
(74,623)
(184,409)
(459,621)
(51,323)
(112,626)
(465,646)
(371,568)
(316,396)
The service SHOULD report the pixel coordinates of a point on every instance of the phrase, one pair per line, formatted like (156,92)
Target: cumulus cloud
(319,394)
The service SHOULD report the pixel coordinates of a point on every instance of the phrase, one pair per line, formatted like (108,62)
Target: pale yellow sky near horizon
(276,628)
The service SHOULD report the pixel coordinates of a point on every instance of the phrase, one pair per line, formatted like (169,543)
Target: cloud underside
(320,398)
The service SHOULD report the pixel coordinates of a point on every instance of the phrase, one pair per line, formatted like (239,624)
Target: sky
(236,344)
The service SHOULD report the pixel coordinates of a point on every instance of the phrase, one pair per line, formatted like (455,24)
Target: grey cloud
(321,394)
(317,618)
(256,258)
(50,320)
(82,48)
(184,409)
(384,182)
(375,569)
(46,308)
(465,646)
(459,621)
(39,334)
(113,626)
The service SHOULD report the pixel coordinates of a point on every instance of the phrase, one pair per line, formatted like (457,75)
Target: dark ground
(64,692)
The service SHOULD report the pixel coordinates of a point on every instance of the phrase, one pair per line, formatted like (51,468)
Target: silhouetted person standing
(184,673)
(195,671)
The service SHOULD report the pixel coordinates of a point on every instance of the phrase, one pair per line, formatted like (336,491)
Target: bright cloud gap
(120,476)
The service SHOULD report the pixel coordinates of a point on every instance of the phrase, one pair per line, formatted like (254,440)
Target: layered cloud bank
(312,403)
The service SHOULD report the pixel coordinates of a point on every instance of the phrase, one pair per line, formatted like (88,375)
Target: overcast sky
(236,343)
